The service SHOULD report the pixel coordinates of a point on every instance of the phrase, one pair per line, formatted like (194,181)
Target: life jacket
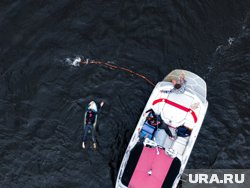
(90,117)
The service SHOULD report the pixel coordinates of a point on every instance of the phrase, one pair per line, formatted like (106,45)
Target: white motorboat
(154,157)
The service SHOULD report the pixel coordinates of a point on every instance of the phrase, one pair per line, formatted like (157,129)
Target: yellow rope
(87,61)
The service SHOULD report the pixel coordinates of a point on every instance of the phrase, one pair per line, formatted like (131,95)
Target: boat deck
(156,169)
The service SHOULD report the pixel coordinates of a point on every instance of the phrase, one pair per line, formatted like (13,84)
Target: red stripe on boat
(149,161)
(177,106)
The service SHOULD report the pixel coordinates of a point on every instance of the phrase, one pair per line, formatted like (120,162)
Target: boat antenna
(111,66)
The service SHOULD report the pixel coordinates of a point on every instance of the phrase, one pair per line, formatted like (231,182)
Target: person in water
(90,125)
(156,120)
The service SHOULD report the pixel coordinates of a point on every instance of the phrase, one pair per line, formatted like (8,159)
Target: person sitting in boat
(178,84)
(149,126)
(152,118)
(156,120)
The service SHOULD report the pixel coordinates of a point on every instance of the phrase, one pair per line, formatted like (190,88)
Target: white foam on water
(230,40)
(75,62)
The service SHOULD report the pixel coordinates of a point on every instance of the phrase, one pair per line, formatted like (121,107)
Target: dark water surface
(42,96)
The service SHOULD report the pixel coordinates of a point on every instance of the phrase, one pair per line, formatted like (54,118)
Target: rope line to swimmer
(87,61)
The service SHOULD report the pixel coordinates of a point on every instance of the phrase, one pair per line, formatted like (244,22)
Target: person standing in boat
(90,126)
